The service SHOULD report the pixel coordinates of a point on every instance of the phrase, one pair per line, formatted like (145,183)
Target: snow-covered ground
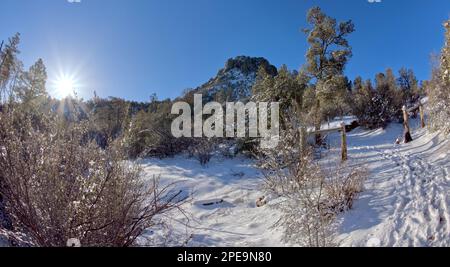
(405,202)
(223,209)
(406,199)
(336,123)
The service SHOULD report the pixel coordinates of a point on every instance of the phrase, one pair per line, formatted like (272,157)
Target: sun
(65,85)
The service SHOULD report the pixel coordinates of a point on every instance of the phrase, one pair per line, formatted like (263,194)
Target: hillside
(236,79)
(405,201)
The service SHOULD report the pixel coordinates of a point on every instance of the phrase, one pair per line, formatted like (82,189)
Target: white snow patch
(223,210)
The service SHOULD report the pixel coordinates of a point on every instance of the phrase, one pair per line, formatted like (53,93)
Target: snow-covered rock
(236,79)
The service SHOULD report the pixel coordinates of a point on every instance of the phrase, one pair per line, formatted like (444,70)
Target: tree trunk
(407,133)
(422,116)
(317,124)
(303,140)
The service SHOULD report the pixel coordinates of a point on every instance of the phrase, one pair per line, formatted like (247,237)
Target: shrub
(58,186)
(202,149)
(342,188)
(149,133)
(309,198)
(301,187)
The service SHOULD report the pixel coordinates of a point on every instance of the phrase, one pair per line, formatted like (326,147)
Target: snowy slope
(405,202)
(407,194)
(233,184)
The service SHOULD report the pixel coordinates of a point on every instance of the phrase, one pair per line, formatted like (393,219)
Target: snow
(223,209)
(336,123)
(234,79)
(405,201)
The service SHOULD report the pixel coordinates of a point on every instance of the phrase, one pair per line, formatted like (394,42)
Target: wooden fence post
(422,116)
(303,140)
(344,154)
(407,132)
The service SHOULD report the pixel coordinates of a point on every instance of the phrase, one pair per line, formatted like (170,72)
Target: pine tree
(324,35)
(445,61)
(376,106)
(31,92)
(32,83)
(439,88)
(262,90)
(286,88)
(334,96)
(362,95)
(367,104)
(357,85)
(9,64)
(327,56)
(408,85)
(388,98)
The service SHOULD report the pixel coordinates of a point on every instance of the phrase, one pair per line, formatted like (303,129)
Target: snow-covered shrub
(247,146)
(342,187)
(202,150)
(301,188)
(309,198)
(57,185)
(299,182)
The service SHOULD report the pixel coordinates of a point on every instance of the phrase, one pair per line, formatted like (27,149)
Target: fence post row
(344,153)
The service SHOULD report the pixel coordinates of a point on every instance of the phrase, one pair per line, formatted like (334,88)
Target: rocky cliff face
(235,80)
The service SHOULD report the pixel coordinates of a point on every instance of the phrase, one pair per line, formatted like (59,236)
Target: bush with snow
(377,106)
(310,198)
(57,185)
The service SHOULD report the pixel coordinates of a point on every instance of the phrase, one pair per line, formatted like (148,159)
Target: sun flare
(65,85)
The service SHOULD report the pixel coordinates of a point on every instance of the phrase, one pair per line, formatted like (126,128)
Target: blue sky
(133,48)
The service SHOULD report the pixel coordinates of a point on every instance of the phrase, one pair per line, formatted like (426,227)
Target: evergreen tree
(446,56)
(334,96)
(286,87)
(362,96)
(31,93)
(439,88)
(376,106)
(324,62)
(408,85)
(365,104)
(262,89)
(357,85)
(327,56)
(111,118)
(32,83)
(388,98)
(9,64)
